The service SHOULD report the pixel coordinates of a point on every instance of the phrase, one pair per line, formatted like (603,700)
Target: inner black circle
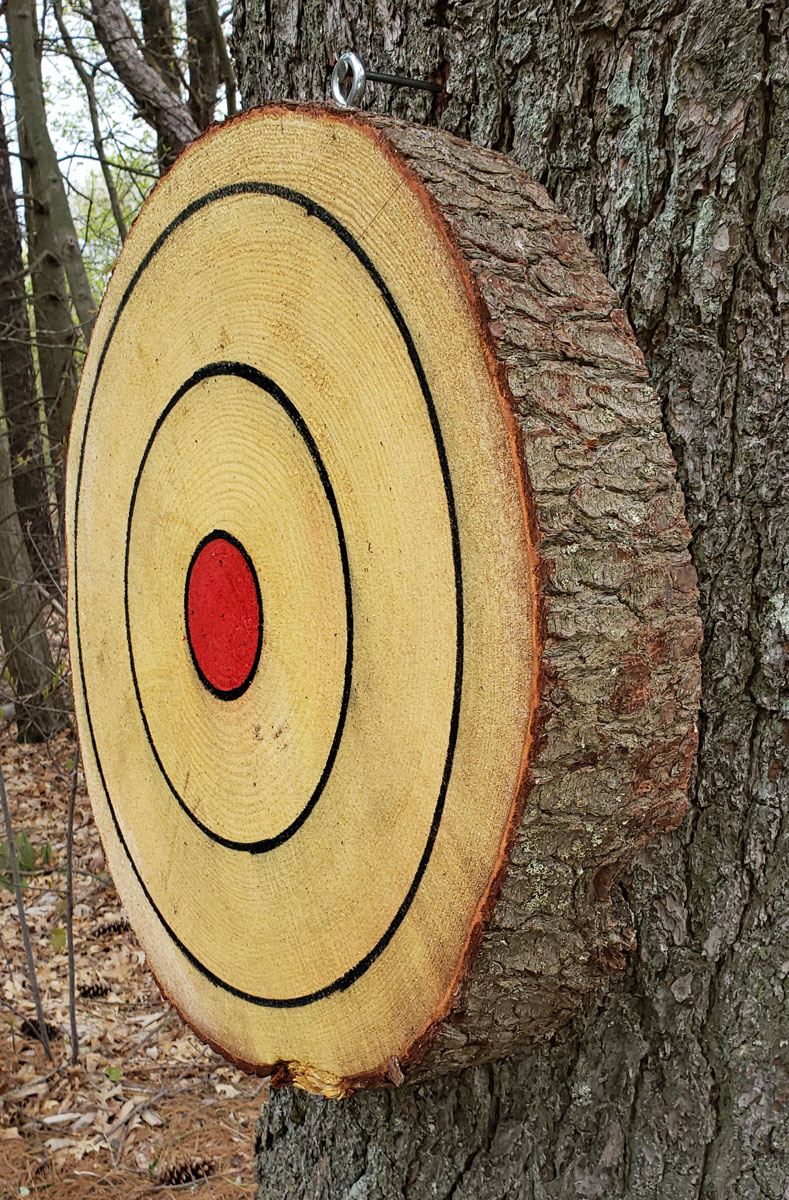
(311,209)
(251,375)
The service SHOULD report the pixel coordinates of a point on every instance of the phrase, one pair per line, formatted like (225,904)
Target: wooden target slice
(308,608)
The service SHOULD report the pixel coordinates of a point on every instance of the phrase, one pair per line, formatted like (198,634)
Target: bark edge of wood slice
(467,456)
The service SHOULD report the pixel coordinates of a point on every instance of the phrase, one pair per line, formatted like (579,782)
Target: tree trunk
(663,130)
(226,71)
(157,32)
(56,335)
(57,338)
(18,382)
(159,104)
(25,661)
(25,658)
(203,60)
(43,163)
(159,49)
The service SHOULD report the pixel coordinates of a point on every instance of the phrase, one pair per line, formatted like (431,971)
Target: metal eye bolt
(350,64)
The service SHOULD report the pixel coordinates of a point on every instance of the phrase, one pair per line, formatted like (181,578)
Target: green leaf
(25,853)
(58,939)
(114,1073)
(6,875)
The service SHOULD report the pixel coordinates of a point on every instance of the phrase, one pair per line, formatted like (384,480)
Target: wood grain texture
(478,487)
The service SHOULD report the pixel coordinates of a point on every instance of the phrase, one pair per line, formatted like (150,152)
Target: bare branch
(98,141)
(72,1003)
(20,905)
(158,104)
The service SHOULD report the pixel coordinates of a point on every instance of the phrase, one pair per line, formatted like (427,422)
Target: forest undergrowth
(146,1109)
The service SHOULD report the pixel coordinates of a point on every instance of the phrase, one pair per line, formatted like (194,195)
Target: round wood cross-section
(372,529)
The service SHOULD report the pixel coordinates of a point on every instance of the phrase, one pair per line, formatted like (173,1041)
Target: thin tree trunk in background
(225,62)
(159,50)
(159,104)
(203,60)
(26,660)
(43,164)
(157,31)
(72,991)
(57,339)
(56,336)
(86,80)
(18,382)
(43,1031)
(663,130)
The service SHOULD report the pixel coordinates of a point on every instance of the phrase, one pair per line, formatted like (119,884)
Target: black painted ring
(251,375)
(312,209)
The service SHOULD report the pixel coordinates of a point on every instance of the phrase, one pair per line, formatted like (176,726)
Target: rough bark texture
(57,337)
(663,130)
(50,249)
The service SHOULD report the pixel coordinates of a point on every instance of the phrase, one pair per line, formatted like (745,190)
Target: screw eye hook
(348,64)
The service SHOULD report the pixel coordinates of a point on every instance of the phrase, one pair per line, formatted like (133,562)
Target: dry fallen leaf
(61,1124)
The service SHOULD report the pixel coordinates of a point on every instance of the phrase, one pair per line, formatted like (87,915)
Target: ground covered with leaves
(147,1109)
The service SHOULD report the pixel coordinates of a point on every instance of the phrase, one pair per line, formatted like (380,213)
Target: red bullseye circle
(224,615)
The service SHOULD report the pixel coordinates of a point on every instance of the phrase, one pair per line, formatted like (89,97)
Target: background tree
(17,374)
(27,661)
(148,82)
(79,81)
(59,280)
(663,130)
(41,160)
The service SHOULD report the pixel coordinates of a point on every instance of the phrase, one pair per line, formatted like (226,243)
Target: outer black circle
(234,692)
(251,375)
(313,209)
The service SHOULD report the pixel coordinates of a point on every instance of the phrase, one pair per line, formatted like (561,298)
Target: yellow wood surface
(255,278)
